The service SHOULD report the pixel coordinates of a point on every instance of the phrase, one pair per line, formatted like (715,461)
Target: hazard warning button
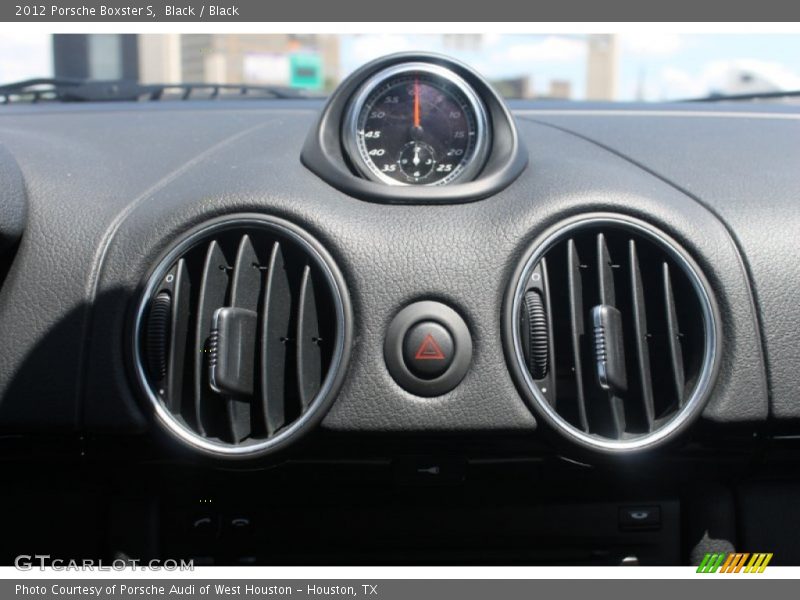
(428,349)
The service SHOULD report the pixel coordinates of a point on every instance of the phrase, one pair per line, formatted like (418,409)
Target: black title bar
(407,10)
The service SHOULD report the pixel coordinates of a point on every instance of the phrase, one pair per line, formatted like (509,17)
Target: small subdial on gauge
(417,124)
(417,161)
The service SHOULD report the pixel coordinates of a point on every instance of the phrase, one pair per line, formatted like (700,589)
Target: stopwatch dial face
(419,128)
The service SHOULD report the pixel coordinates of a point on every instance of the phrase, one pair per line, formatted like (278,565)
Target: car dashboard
(228,337)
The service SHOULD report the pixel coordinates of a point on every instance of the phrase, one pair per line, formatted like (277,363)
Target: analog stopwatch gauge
(417,124)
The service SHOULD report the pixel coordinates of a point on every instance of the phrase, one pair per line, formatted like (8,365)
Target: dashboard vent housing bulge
(613,333)
(241,336)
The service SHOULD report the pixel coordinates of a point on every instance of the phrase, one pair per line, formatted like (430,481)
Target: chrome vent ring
(633,333)
(241,336)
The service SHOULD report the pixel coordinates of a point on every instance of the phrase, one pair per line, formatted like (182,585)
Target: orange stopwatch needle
(416,103)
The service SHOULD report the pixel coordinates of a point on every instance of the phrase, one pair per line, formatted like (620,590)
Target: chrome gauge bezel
(366,168)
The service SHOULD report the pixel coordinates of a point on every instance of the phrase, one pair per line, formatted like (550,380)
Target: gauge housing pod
(417,123)
(325,152)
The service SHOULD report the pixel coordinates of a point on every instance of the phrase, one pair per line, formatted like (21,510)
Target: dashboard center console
(486,331)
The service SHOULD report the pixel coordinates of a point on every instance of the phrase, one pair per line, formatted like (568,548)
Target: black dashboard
(446,375)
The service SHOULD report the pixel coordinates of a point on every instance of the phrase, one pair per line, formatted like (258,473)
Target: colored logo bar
(734,562)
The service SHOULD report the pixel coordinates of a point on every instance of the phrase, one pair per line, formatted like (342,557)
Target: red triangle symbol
(429,350)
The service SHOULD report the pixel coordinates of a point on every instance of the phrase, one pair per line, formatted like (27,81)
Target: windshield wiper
(745,97)
(91,90)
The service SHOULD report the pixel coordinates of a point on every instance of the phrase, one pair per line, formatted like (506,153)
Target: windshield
(599,67)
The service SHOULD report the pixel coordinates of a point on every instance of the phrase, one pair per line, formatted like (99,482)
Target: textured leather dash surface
(744,169)
(147,176)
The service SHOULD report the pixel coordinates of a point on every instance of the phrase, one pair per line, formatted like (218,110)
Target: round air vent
(241,336)
(612,333)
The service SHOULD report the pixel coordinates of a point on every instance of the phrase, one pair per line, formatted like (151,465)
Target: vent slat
(607,292)
(617,415)
(577,327)
(605,274)
(246,282)
(178,337)
(673,336)
(276,339)
(245,289)
(213,289)
(640,327)
(309,341)
(551,379)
